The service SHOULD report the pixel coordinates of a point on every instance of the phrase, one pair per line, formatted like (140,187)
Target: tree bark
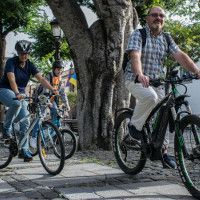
(97,52)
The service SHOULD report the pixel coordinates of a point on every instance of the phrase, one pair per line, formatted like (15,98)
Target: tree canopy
(39,29)
(44,42)
(16,13)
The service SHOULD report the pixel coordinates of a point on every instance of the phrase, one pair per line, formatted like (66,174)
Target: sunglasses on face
(157,15)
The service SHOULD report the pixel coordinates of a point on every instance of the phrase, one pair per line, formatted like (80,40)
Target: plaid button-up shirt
(153,53)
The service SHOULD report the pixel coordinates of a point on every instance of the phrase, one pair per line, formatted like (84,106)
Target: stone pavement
(89,175)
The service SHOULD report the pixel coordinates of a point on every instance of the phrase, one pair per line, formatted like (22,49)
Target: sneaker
(7,136)
(33,142)
(25,154)
(169,161)
(134,133)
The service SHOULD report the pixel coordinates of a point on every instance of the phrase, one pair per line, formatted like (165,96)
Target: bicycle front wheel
(187,153)
(5,153)
(128,152)
(70,142)
(50,145)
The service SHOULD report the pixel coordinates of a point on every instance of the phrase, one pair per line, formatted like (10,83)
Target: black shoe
(26,155)
(134,133)
(169,161)
(7,136)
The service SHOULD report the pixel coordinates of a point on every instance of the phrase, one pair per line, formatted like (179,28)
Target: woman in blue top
(17,73)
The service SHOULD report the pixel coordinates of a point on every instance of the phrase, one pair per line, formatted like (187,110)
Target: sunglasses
(157,15)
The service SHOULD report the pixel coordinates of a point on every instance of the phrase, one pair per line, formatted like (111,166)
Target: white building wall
(194,99)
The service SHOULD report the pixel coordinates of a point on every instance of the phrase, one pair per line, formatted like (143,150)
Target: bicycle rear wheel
(50,145)
(5,154)
(128,152)
(187,153)
(70,142)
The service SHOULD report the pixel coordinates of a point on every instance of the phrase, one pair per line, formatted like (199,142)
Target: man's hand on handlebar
(198,74)
(20,96)
(144,80)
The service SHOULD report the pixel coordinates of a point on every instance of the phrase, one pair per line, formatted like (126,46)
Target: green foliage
(16,13)
(181,8)
(186,31)
(187,37)
(44,43)
(72,97)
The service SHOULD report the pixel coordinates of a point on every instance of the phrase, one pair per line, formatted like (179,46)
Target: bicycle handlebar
(25,98)
(170,80)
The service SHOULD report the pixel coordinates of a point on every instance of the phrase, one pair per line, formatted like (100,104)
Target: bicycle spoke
(128,151)
(51,149)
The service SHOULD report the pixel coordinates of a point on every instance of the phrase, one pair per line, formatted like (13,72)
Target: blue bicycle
(49,141)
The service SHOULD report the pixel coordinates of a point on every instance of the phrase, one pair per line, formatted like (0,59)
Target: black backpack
(144,37)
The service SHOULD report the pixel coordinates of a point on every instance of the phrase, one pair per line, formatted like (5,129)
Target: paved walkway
(86,176)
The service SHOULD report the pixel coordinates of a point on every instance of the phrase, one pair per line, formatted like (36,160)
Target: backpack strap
(126,56)
(167,37)
(143,35)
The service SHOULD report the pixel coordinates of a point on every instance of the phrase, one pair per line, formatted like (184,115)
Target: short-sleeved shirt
(22,75)
(153,53)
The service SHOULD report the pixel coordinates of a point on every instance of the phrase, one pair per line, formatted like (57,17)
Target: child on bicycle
(57,102)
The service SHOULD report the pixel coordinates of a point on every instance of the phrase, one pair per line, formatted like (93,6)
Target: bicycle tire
(122,143)
(70,142)
(5,154)
(185,145)
(50,139)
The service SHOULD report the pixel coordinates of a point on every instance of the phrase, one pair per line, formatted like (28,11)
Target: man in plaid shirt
(147,63)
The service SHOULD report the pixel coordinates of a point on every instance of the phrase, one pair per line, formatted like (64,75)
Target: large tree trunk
(97,53)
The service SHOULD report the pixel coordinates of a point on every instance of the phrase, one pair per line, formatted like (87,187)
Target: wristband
(17,94)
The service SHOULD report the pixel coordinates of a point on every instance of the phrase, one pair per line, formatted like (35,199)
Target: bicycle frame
(169,101)
(37,118)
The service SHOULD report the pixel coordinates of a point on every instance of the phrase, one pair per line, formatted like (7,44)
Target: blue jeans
(54,119)
(16,111)
(54,115)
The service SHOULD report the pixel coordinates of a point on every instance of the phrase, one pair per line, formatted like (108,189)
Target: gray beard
(156,28)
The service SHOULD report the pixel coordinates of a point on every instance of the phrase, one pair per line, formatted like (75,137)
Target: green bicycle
(131,154)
